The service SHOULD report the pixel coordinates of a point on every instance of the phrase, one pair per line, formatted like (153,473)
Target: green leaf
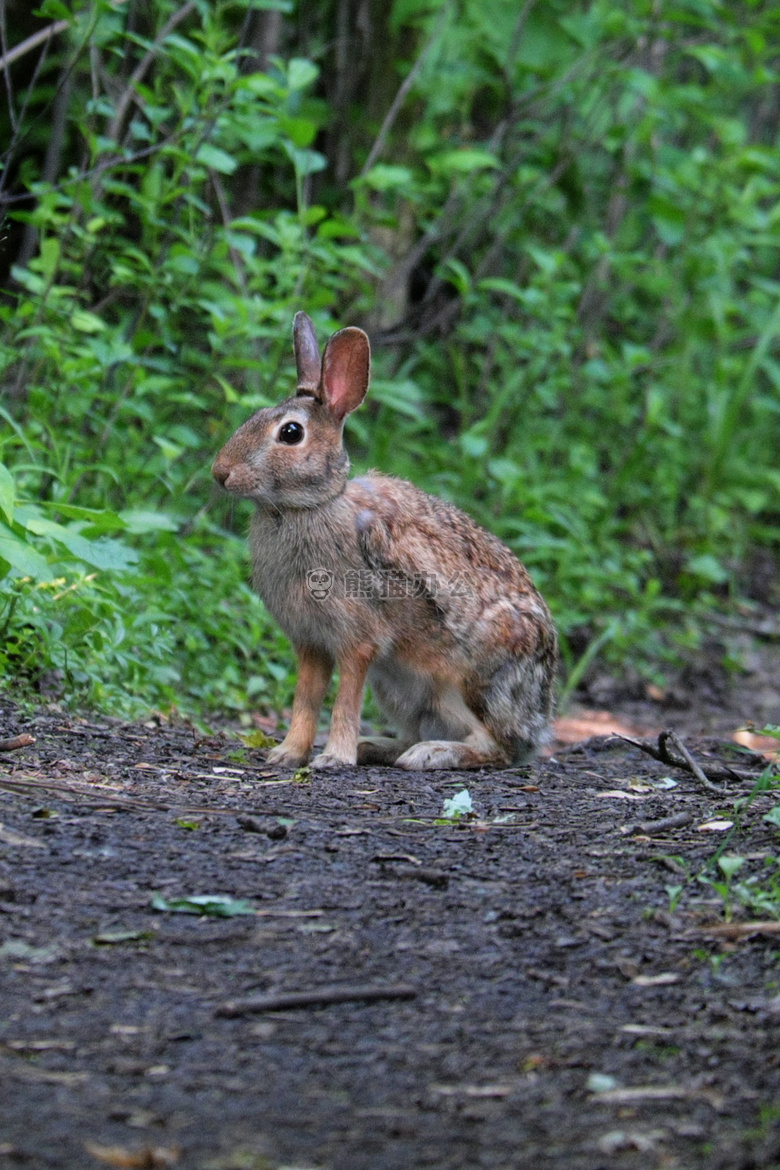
(213,905)
(457,806)
(108,938)
(729,865)
(55,10)
(101,554)
(98,518)
(216,158)
(300,131)
(708,568)
(86,322)
(773,817)
(22,557)
(306,162)
(463,161)
(257,739)
(7,493)
(139,521)
(301,72)
(386,177)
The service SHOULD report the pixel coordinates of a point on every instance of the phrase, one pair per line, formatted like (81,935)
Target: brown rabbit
(389,585)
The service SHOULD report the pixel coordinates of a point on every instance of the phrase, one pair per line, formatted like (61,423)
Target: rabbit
(390,585)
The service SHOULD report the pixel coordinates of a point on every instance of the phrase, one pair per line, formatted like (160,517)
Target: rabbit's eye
(291,433)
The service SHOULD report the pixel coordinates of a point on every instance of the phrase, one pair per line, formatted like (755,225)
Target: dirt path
(554,996)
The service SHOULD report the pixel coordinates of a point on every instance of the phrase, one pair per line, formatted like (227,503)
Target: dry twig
(685,761)
(16,742)
(88,798)
(676,821)
(32,42)
(737,930)
(141,68)
(316,997)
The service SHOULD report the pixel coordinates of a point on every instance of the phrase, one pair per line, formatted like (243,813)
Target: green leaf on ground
(212,905)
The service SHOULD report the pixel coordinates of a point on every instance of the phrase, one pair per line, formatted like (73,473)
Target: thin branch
(670,737)
(140,70)
(686,762)
(224,211)
(738,930)
(676,821)
(8,88)
(25,785)
(516,37)
(316,997)
(32,42)
(400,97)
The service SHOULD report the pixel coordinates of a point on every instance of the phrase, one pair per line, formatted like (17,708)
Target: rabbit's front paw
(283,757)
(329,760)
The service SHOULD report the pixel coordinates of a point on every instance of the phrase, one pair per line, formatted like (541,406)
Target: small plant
(456,808)
(674,893)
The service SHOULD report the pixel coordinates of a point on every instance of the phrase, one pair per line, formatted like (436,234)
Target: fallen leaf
(715,826)
(145,1158)
(21,951)
(588,724)
(630,1139)
(257,739)
(764,745)
(214,905)
(112,937)
(619,794)
(475,1091)
(661,980)
(601,1082)
(8,837)
(647,1030)
(40,1045)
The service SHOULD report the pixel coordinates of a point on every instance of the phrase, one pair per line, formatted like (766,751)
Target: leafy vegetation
(558,222)
(749,881)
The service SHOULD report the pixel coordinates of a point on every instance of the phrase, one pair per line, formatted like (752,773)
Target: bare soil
(547,1004)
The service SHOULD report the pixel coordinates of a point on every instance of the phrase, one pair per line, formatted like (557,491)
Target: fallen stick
(316,997)
(737,930)
(27,785)
(670,737)
(673,822)
(16,742)
(685,761)
(641,1094)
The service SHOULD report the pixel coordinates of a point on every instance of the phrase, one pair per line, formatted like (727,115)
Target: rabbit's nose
(220,471)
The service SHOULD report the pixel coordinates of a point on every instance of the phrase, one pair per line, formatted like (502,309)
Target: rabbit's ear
(346,369)
(307,355)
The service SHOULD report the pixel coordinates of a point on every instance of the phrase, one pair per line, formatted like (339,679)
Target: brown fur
(435,613)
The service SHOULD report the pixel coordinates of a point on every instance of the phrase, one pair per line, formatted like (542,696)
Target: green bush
(564,243)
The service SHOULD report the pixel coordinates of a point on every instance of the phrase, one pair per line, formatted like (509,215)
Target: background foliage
(558,221)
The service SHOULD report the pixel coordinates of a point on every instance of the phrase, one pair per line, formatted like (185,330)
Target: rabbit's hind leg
(452,736)
(477,750)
